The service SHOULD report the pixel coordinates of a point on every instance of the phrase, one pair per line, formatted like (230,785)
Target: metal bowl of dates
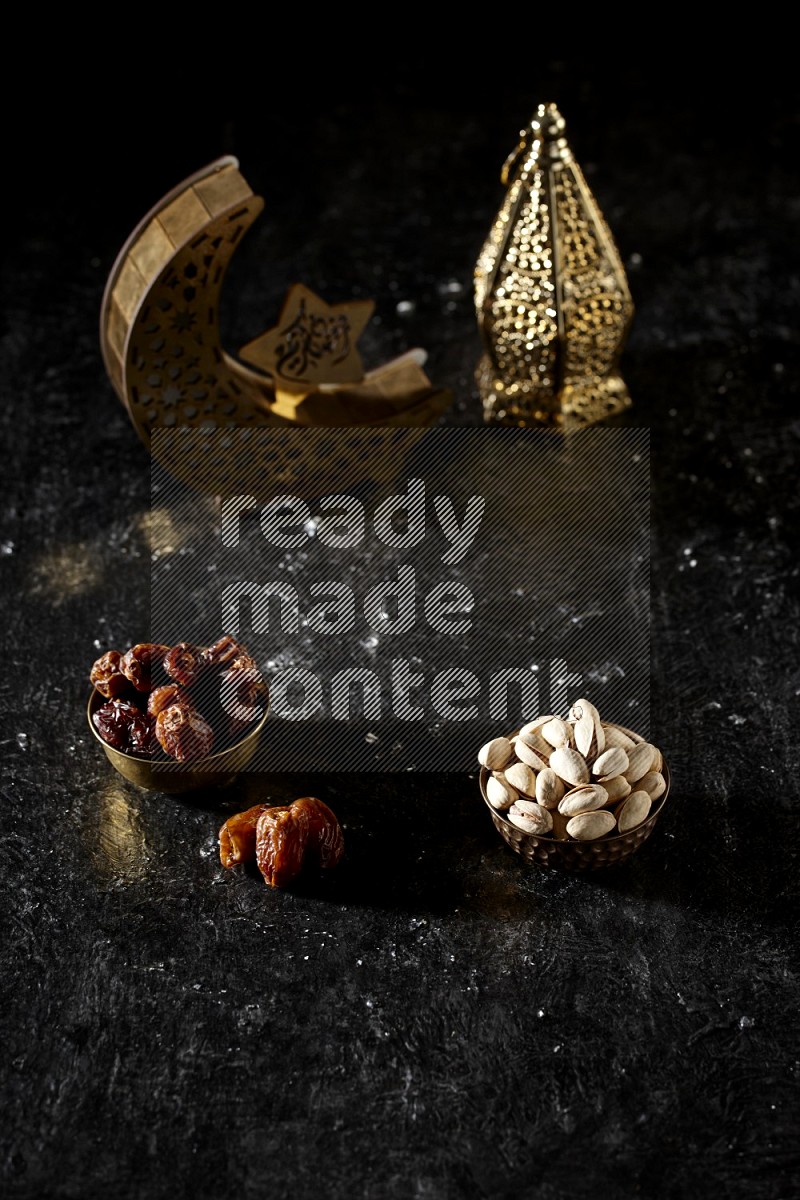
(161,774)
(549,850)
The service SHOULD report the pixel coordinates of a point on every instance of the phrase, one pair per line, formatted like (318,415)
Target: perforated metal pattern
(176,371)
(516,275)
(551,296)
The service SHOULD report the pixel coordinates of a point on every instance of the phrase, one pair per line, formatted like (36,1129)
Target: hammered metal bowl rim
(609,838)
(212,762)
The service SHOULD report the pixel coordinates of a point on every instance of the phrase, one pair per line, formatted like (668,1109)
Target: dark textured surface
(434,1020)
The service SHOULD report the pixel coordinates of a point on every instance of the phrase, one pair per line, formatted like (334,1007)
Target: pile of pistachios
(578,778)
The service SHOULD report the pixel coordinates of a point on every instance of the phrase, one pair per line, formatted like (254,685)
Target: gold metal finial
(551,295)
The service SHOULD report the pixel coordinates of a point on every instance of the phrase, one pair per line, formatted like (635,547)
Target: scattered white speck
(540,1012)
(197,986)
(22,741)
(404,307)
(556,1049)
(534,666)
(368,1003)
(735,719)
(635,259)
(310,527)
(7,548)
(692,562)
(359,962)
(687,551)
(97,643)
(607,671)
(746,1023)
(452,287)
(305,958)
(370,642)
(371,738)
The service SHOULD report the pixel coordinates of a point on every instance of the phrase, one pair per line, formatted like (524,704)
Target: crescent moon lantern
(161,345)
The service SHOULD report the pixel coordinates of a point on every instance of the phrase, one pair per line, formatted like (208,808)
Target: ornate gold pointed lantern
(551,295)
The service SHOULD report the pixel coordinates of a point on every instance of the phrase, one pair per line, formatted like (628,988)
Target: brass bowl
(609,851)
(160,775)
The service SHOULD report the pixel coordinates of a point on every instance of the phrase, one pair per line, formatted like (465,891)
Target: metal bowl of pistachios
(577,793)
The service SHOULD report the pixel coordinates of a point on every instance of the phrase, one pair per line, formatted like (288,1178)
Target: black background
(434,1019)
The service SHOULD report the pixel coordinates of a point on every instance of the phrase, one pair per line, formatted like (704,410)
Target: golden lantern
(551,295)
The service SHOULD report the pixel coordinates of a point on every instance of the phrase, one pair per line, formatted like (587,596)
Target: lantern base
(581,401)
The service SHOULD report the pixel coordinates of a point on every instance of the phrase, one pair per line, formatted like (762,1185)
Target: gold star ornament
(313,343)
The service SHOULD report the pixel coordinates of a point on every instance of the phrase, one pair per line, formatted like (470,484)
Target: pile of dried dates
(183,702)
(282,839)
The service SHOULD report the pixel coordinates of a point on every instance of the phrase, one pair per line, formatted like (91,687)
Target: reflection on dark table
(432,1019)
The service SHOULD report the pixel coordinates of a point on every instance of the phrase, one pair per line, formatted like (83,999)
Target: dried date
(113,722)
(237,837)
(106,675)
(185,663)
(233,728)
(140,663)
(242,686)
(183,733)
(142,736)
(224,651)
(281,837)
(325,837)
(162,697)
